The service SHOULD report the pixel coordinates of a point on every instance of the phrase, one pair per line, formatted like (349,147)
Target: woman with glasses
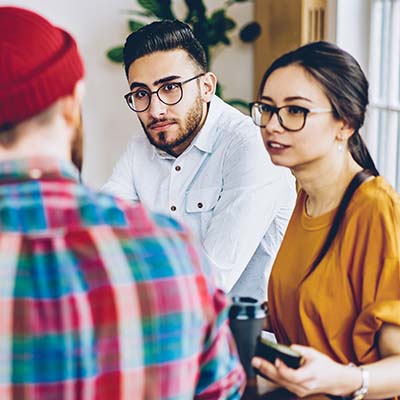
(334,290)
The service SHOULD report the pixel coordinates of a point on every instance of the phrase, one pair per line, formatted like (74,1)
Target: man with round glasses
(170,93)
(200,160)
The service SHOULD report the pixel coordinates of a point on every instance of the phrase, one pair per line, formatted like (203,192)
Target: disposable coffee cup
(246,319)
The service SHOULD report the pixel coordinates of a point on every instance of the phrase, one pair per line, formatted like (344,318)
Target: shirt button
(173,208)
(35,173)
(200,205)
(178,168)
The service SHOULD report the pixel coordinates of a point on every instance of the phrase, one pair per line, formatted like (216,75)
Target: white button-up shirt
(224,187)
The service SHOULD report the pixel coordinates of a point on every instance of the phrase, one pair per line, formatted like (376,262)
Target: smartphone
(271,351)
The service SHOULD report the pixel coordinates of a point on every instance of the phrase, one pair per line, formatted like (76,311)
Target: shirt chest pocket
(202,200)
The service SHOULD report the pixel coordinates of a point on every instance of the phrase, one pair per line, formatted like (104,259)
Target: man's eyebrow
(291,98)
(155,83)
(167,79)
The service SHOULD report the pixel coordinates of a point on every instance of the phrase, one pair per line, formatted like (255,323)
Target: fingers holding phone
(268,363)
(268,354)
(316,373)
(271,351)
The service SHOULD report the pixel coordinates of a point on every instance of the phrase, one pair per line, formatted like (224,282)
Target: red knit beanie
(39,63)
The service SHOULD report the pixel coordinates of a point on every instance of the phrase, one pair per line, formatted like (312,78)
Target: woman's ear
(345,131)
(208,86)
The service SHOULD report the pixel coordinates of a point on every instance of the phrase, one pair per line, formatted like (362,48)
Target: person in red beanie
(98,299)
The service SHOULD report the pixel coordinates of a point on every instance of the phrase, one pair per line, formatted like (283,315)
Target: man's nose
(157,107)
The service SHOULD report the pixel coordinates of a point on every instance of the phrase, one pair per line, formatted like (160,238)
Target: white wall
(352,29)
(100,24)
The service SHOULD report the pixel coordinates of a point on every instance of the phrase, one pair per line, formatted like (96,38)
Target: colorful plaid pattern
(88,312)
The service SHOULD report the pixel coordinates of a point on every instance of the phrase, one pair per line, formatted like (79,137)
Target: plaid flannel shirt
(101,300)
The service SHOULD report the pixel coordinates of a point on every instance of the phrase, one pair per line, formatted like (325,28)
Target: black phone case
(271,354)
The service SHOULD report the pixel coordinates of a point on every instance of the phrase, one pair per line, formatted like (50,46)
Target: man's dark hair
(163,36)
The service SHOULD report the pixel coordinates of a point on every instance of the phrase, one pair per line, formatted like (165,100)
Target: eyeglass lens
(290,117)
(169,93)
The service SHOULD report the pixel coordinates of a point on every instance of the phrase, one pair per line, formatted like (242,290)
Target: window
(383,128)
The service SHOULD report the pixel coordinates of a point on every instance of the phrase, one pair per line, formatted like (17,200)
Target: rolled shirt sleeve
(385,309)
(379,279)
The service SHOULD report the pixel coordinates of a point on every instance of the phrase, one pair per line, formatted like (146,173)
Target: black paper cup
(246,319)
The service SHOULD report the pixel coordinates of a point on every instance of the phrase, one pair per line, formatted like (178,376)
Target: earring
(340,147)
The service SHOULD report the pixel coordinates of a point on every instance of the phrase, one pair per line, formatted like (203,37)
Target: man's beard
(77,146)
(187,131)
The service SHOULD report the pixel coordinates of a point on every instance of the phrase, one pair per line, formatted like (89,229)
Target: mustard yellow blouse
(341,306)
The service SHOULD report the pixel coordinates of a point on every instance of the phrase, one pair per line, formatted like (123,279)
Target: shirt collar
(207,135)
(37,168)
(162,153)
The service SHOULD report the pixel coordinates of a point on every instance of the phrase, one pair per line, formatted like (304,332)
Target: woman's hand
(318,374)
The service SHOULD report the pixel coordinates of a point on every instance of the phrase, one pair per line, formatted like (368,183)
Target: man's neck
(50,140)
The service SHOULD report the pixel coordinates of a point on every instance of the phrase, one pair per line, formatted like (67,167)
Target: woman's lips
(276,147)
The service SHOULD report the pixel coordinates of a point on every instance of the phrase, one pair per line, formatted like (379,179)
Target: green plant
(211,30)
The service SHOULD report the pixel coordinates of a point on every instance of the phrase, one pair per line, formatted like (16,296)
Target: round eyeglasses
(169,93)
(291,117)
